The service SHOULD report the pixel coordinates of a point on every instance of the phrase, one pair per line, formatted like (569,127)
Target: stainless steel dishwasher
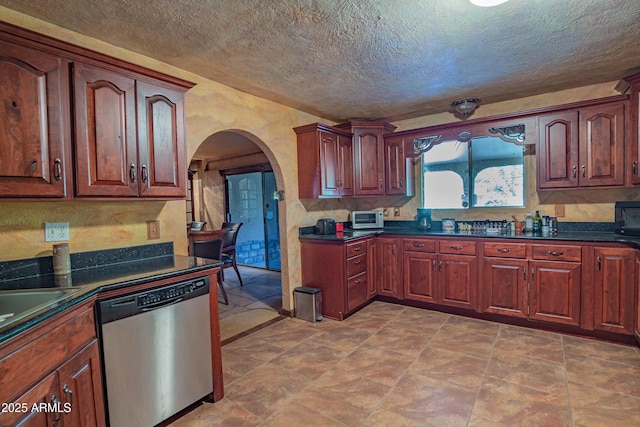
(156,349)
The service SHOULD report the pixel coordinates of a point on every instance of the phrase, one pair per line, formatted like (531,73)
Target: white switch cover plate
(56,232)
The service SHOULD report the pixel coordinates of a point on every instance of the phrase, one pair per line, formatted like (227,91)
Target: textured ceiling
(370,59)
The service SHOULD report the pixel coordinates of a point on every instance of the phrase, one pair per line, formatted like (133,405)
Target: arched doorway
(240,159)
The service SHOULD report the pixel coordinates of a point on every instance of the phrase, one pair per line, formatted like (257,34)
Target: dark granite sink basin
(18,304)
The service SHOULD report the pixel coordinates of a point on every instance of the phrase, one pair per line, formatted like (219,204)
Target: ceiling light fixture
(465,107)
(487,3)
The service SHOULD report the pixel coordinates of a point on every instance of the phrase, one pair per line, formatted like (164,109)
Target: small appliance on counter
(325,226)
(424,219)
(627,216)
(367,219)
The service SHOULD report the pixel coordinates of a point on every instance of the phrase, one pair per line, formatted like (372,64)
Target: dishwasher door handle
(161,304)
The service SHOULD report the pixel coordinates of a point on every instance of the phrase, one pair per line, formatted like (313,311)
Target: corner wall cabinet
(582,148)
(325,162)
(128,136)
(351,160)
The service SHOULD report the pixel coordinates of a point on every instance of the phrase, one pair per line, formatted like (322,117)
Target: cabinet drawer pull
(357,249)
(584,171)
(381,182)
(599,264)
(357,262)
(57,166)
(132,173)
(393,250)
(524,273)
(433,266)
(575,171)
(418,245)
(440,266)
(358,282)
(504,250)
(554,253)
(634,168)
(456,248)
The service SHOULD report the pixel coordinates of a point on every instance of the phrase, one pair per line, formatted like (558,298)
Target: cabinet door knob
(132,173)
(575,169)
(634,167)
(57,167)
(401,183)
(584,171)
(599,264)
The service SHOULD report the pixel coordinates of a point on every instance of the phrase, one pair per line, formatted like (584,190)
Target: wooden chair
(211,249)
(229,248)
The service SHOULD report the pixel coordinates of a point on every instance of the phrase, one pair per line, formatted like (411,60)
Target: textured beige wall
(211,108)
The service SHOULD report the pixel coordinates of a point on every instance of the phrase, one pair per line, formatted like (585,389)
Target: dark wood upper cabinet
(325,162)
(161,144)
(583,147)
(105,133)
(602,139)
(128,123)
(398,168)
(369,164)
(129,136)
(558,151)
(34,131)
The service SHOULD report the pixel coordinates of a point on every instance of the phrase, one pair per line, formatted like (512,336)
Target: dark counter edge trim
(83,295)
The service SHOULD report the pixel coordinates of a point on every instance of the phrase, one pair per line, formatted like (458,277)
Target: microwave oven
(627,216)
(366,219)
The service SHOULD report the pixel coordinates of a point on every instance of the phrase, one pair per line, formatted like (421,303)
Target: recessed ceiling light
(487,3)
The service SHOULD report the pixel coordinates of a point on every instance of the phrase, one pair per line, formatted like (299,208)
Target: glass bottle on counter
(528,223)
(537,222)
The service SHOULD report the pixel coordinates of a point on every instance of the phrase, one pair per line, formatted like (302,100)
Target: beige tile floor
(390,365)
(257,302)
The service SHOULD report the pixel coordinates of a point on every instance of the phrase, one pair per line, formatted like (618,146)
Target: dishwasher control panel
(165,294)
(112,309)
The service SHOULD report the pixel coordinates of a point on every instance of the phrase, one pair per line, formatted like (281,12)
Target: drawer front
(357,293)
(419,245)
(356,265)
(462,247)
(357,248)
(505,250)
(557,253)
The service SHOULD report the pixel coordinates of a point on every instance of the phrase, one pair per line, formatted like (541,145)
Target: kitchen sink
(17,304)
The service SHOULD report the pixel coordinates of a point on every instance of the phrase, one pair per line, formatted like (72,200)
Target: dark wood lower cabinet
(554,292)
(505,287)
(458,280)
(389,267)
(54,369)
(614,289)
(420,276)
(81,388)
(584,287)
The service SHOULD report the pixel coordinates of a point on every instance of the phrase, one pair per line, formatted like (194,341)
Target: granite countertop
(84,283)
(576,236)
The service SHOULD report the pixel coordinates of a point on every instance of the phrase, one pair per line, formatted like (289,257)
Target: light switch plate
(559,211)
(56,231)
